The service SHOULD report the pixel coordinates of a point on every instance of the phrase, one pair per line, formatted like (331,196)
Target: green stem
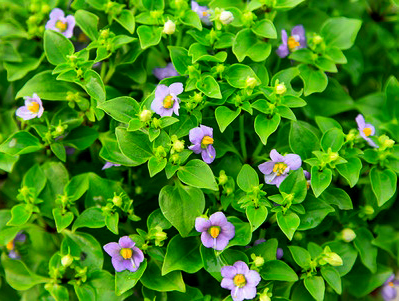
(103,69)
(258,149)
(242,138)
(110,73)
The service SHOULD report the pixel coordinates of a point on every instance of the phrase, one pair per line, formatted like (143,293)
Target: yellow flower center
(168,102)
(126,253)
(279,168)
(34,107)
(239,280)
(292,43)
(367,131)
(214,231)
(206,141)
(10,245)
(61,25)
(204,13)
(391,284)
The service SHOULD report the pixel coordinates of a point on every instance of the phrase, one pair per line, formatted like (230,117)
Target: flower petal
(221,242)
(293,161)
(138,256)
(176,88)
(196,148)
(128,265)
(238,294)
(249,292)
(241,267)
(112,249)
(299,30)
(196,135)
(218,219)
(126,242)
(24,113)
(202,224)
(253,278)
(57,13)
(118,263)
(161,92)
(388,292)
(228,271)
(206,130)
(209,154)
(228,230)
(275,156)
(207,239)
(360,122)
(267,167)
(282,51)
(227,283)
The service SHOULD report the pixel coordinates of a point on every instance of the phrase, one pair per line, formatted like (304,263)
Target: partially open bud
(145,115)
(281,89)
(222,177)
(348,235)
(251,82)
(317,39)
(178,146)
(333,156)
(169,27)
(226,17)
(66,260)
(258,260)
(333,259)
(117,200)
(385,142)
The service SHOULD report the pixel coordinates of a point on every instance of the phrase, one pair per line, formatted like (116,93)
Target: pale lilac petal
(228,230)
(282,51)
(168,71)
(196,148)
(227,283)
(70,20)
(241,267)
(293,161)
(388,293)
(208,154)
(221,242)
(249,292)
(176,88)
(126,242)
(299,31)
(51,24)
(275,156)
(390,279)
(118,263)
(238,294)
(270,178)
(113,249)
(278,180)
(138,256)
(196,135)
(259,241)
(157,105)
(228,271)
(267,167)
(57,13)
(253,278)
(306,174)
(13,255)
(202,224)
(24,113)
(20,237)
(161,92)
(207,240)
(360,122)
(206,130)
(279,253)
(176,107)
(218,219)
(371,142)
(128,265)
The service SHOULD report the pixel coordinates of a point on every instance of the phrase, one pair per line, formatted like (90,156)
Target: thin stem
(242,138)
(110,72)
(103,69)
(258,149)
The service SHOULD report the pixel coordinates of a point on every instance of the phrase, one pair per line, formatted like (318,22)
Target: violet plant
(199,150)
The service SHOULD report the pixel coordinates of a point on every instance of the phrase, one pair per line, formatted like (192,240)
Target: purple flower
(365,130)
(70,151)
(202,11)
(202,139)
(109,165)
(259,241)
(125,256)
(240,280)
(388,290)
(33,108)
(276,171)
(307,177)
(166,101)
(279,253)
(168,71)
(216,231)
(12,253)
(296,41)
(60,23)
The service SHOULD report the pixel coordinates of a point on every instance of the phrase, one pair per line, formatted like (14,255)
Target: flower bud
(145,115)
(66,260)
(368,210)
(226,17)
(348,235)
(169,27)
(220,68)
(178,146)
(258,261)
(317,39)
(333,259)
(281,89)
(333,156)
(385,142)
(251,82)
(117,200)
(222,177)
(45,9)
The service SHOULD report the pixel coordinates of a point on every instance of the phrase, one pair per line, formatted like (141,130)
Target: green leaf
(288,223)
(122,109)
(7,162)
(348,254)
(182,254)
(284,4)
(200,53)
(301,256)
(94,85)
(212,264)
(180,59)
(302,140)
(134,145)
(88,22)
(267,249)
(224,116)
(18,70)
(198,174)
(20,143)
(181,205)
(149,36)
(209,86)
(77,186)
(192,19)
(154,4)
(153,279)
(126,280)
(256,216)
(295,184)
(57,47)
(238,74)
(246,43)
(62,220)
(90,218)
(81,137)
(338,197)
(243,232)
(325,123)
(264,126)
(340,32)
(333,138)
(320,180)
(367,251)
(313,80)
(247,179)
(111,221)
(316,287)
(331,276)
(35,178)
(278,270)
(156,218)
(126,19)
(265,28)
(20,214)
(383,183)
(58,292)
(350,170)
(59,150)
(156,165)
(315,212)
(104,285)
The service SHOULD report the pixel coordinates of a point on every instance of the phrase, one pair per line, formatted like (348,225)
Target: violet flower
(125,256)
(216,231)
(12,253)
(365,130)
(388,291)
(307,177)
(202,11)
(259,241)
(279,253)
(168,71)
(296,41)
(276,171)
(60,23)
(202,139)
(109,165)
(33,108)
(166,101)
(240,280)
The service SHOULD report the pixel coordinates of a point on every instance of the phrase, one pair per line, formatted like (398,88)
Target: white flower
(226,17)
(169,27)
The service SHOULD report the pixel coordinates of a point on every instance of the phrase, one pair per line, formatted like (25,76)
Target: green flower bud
(281,88)
(145,115)
(178,146)
(258,260)
(169,27)
(222,177)
(251,82)
(348,235)
(368,210)
(333,259)
(45,9)
(117,200)
(66,260)
(317,39)
(220,68)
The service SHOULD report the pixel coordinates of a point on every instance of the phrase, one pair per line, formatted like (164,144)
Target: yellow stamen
(207,140)
(279,168)
(391,284)
(10,245)
(61,25)
(204,13)
(239,280)
(168,102)
(126,253)
(214,231)
(34,107)
(292,43)
(367,131)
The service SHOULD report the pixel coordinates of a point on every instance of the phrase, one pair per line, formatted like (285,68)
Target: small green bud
(281,89)
(258,260)
(251,82)
(222,177)
(117,200)
(348,235)
(368,210)
(66,260)
(104,33)
(333,259)
(333,156)
(317,39)
(178,146)
(385,142)
(145,115)
(220,68)
(138,190)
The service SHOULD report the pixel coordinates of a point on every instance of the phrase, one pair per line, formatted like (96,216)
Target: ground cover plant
(210,150)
